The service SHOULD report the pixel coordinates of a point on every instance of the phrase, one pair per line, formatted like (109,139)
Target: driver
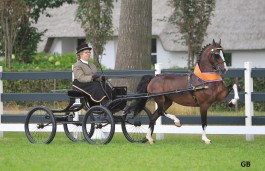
(86,78)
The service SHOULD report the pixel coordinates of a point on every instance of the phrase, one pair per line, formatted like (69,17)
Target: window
(228,59)
(153,52)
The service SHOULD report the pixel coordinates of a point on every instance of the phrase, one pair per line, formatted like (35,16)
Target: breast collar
(207,76)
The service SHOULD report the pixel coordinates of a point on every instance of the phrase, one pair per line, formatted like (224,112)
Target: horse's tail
(138,104)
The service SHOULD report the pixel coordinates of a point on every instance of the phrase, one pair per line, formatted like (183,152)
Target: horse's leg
(174,118)
(159,112)
(151,126)
(168,103)
(236,96)
(203,111)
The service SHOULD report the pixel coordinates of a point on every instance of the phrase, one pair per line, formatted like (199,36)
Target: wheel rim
(135,127)
(98,125)
(40,126)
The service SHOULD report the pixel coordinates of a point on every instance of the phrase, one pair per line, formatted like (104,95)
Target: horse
(206,78)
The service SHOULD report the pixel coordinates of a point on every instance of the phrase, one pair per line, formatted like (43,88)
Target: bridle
(217,65)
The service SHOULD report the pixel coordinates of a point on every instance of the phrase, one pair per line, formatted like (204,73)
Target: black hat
(82,47)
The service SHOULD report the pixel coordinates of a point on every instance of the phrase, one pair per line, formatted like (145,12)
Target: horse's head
(213,55)
(217,58)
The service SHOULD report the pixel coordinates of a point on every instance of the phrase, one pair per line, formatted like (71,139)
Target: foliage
(16,19)
(11,17)
(192,19)
(259,87)
(26,42)
(96,20)
(45,62)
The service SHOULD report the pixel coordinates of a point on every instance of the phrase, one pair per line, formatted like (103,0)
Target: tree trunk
(134,41)
(189,57)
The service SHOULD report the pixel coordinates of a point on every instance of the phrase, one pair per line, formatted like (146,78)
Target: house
(239,24)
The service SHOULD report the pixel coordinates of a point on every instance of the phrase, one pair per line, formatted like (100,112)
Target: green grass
(175,152)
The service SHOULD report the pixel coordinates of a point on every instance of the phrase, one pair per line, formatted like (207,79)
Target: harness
(207,76)
(204,78)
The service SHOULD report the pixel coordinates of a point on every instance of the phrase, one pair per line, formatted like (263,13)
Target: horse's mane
(200,54)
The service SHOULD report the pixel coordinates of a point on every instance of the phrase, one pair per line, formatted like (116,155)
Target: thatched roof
(239,23)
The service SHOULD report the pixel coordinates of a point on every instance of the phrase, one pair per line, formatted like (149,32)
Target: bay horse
(207,73)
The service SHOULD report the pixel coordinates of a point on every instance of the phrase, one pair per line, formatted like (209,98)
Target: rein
(106,81)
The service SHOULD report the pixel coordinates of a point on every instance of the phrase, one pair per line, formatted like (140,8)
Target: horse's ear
(214,42)
(220,42)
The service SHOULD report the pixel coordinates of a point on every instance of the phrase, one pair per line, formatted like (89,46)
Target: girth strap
(194,88)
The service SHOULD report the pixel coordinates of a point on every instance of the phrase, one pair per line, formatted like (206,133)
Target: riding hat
(82,47)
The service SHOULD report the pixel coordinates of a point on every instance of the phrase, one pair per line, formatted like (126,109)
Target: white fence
(160,129)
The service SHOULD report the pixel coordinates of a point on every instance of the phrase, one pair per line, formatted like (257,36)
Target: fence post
(159,136)
(248,101)
(1,103)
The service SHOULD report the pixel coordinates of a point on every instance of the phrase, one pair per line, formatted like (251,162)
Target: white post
(248,101)
(159,136)
(1,103)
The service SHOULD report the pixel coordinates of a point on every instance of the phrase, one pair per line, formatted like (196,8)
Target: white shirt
(86,62)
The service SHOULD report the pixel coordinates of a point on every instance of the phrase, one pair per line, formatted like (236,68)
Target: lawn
(175,152)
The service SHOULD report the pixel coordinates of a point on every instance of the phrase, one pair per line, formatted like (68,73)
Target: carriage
(98,124)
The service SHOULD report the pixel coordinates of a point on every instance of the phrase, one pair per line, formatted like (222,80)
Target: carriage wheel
(100,120)
(73,126)
(134,127)
(40,125)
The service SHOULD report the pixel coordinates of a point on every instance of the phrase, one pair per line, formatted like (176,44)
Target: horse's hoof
(232,102)
(178,124)
(207,142)
(151,142)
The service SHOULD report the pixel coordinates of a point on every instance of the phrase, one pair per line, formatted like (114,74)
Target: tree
(25,45)
(28,36)
(135,35)
(96,19)
(192,18)
(11,18)
(16,17)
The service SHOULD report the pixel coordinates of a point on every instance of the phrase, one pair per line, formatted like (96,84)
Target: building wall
(63,45)
(109,54)
(170,59)
(166,58)
(56,47)
(257,57)
(69,45)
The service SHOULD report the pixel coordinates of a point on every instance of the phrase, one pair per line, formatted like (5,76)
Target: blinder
(215,54)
